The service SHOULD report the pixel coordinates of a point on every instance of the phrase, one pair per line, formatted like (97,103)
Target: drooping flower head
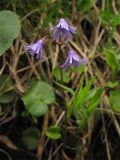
(64,30)
(36,48)
(73,59)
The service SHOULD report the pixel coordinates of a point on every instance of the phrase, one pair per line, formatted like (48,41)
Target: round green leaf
(30,143)
(9,29)
(39,91)
(7,97)
(53,132)
(38,96)
(32,131)
(37,108)
(30,138)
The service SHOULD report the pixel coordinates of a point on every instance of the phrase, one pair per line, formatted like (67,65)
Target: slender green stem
(61,72)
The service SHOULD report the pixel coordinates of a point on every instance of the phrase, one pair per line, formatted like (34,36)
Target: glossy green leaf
(81,118)
(30,138)
(81,96)
(115,100)
(112,84)
(111,59)
(54,132)
(9,29)
(83,113)
(94,102)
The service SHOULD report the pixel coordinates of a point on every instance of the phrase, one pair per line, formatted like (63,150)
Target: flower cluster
(62,31)
(73,59)
(36,48)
